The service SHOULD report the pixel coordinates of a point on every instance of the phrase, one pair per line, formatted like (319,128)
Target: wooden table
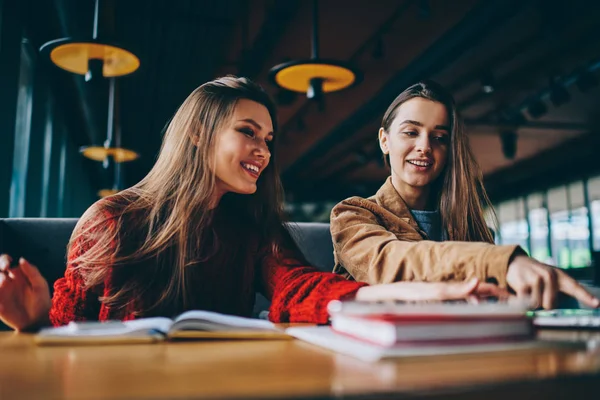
(273,369)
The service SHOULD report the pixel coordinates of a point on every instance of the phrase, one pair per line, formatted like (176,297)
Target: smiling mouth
(420,163)
(251,169)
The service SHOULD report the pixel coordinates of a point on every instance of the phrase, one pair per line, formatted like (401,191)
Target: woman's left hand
(541,283)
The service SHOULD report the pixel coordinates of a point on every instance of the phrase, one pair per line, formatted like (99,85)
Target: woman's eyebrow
(412,122)
(417,123)
(254,123)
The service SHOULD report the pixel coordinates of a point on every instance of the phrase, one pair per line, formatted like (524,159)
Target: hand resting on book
(472,290)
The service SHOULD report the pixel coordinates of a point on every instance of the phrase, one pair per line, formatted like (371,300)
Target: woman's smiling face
(418,142)
(242,149)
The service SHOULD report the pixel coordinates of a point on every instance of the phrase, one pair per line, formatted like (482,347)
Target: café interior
(78,125)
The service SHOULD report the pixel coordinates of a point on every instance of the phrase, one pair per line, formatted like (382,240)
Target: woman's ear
(383,141)
(195,139)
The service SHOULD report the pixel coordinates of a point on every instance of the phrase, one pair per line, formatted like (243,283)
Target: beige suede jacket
(377,240)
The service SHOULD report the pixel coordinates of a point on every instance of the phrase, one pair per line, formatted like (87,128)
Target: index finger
(490,290)
(31,274)
(5,261)
(570,286)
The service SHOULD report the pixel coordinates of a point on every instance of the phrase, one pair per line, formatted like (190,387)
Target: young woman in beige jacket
(426,223)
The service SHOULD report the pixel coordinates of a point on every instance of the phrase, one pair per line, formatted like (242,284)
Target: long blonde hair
(167,214)
(460,191)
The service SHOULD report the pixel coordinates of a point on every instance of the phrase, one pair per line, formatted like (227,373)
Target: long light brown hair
(459,189)
(167,215)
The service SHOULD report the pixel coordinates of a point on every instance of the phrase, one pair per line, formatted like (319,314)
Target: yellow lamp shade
(74,56)
(107,192)
(99,153)
(296,75)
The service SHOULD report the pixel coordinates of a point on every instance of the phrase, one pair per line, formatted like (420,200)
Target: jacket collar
(388,198)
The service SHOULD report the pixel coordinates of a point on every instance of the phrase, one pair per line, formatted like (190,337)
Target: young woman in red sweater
(203,230)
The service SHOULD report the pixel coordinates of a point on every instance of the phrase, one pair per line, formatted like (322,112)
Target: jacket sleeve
(71,300)
(300,293)
(373,254)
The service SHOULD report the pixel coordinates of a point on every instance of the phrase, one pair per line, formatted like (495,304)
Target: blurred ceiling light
(314,76)
(91,56)
(487,83)
(110,149)
(107,192)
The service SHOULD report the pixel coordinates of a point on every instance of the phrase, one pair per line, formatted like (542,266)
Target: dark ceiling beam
(493,63)
(537,125)
(278,18)
(473,28)
(531,69)
(574,159)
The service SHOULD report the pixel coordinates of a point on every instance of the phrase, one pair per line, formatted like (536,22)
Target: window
(578,229)
(22,135)
(594,197)
(513,224)
(538,220)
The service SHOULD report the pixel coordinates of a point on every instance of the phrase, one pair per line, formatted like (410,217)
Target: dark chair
(43,241)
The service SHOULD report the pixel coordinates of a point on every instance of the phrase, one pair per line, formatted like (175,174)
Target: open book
(188,325)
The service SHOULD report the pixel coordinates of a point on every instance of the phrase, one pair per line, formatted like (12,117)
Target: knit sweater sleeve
(72,301)
(298,292)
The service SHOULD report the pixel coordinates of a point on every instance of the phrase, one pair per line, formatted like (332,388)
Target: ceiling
(518,46)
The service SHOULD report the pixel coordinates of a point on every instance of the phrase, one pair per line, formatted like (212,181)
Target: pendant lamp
(314,76)
(117,180)
(95,59)
(91,56)
(112,155)
(111,148)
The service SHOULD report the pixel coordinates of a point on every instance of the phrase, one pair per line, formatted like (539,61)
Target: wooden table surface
(287,368)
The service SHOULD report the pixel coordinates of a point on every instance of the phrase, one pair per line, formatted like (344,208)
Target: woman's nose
(424,144)
(262,149)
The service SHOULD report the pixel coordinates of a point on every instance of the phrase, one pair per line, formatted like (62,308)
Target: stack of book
(371,331)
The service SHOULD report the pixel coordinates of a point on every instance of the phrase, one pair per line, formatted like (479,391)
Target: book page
(109,328)
(211,321)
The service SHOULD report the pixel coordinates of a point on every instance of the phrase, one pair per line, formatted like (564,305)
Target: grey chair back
(43,241)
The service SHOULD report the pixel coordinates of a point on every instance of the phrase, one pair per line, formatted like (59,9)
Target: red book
(390,324)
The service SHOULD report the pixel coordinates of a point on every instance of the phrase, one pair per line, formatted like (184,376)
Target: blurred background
(524,74)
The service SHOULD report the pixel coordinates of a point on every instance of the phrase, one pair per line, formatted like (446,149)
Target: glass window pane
(559,219)
(579,233)
(513,225)
(578,238)
(538,219)
(594,193)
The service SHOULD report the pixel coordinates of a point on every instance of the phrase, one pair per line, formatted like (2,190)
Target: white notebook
(324,336)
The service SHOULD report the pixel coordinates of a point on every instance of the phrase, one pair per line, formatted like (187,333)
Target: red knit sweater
(298,293)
